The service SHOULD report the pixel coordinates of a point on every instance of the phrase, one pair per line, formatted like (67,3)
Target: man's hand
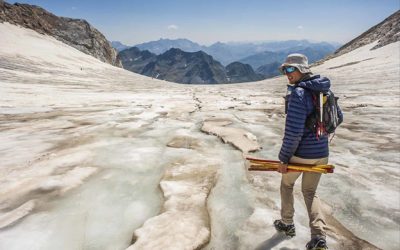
(282,168)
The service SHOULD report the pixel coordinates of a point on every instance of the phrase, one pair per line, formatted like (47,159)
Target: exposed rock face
(77,33)
(385,32)
(176,65)
(239,72)
(135,60)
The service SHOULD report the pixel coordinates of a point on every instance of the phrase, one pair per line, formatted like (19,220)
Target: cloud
(172,27)
(300,27)
(73,8)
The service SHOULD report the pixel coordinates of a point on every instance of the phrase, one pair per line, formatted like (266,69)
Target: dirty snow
(96,157)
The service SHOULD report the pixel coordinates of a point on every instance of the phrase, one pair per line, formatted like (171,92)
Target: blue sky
(209,21)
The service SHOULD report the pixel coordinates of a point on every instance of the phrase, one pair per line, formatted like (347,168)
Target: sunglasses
(289,69)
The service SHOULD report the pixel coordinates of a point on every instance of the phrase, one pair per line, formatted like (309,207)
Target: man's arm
(295,124)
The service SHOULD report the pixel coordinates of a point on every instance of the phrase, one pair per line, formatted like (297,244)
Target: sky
(208,21)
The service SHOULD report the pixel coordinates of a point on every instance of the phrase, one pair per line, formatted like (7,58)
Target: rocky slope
(239,72)
(230,52)
(385,32)
(176,65)
(134,59)
(77,33)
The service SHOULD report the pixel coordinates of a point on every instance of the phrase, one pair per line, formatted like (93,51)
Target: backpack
(327,115)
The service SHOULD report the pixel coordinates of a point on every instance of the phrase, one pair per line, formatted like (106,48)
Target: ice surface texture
(95,157)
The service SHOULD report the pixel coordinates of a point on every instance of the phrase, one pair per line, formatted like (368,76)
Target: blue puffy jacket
(299,140)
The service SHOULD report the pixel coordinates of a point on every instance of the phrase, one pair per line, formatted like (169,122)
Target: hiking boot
(317,243)
(288,229)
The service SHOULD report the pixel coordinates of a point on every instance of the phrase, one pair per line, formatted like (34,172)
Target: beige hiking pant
(309,186)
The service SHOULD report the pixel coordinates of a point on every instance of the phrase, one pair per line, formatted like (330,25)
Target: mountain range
(180,66)
(313,53)
(202,64)
(262,57)
(234,51)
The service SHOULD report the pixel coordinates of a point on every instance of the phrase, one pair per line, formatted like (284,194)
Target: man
(302,145)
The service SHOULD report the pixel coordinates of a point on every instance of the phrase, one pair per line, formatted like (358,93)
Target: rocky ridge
(134,59)
(77,33)
(385,32)
(183,67)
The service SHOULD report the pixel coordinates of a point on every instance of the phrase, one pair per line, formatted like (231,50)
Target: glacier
(96,157)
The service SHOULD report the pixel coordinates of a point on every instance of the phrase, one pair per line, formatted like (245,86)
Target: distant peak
(175,50)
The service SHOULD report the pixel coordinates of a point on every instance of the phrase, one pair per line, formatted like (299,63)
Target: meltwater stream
(228,203)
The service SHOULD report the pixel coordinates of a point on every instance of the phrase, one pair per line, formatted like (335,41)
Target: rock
(385,32)
(77,33)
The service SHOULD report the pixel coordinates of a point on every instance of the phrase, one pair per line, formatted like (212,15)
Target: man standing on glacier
(302,145)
